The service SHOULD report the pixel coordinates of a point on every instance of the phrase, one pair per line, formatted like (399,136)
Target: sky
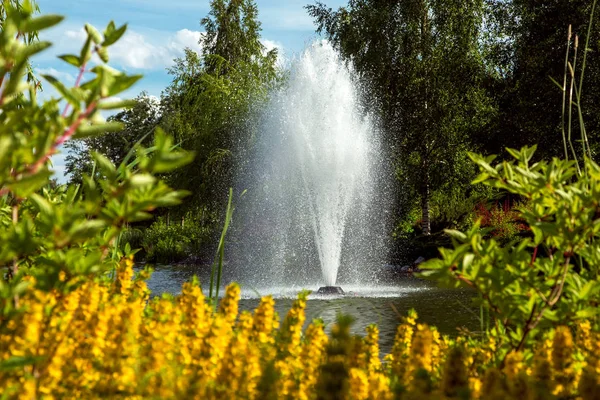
(158,31)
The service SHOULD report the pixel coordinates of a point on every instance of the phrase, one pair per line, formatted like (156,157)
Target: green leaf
(40,23)
(42,204)
(171,161)
(116,104)
(514,153)
(113,35)
(85,51)
(87,229)
(32,49)
(110,28)
(140,180)
(88,130)
(25,186)
(587,312)
(103,54)
(105,165)
(122,83)
(94,34)
(64,91)
(16,78)
(15,362)
(71,59)
(458,235)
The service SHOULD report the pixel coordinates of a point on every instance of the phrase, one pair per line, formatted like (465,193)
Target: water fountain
(315,181)
(317,211)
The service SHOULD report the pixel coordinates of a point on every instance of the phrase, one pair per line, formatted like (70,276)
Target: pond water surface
(448,309)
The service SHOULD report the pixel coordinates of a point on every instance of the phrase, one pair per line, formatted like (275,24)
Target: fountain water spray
(315,175)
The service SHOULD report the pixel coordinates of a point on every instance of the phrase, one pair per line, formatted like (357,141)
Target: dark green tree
(138,122)
(209,104)
(421,63)
(531,42)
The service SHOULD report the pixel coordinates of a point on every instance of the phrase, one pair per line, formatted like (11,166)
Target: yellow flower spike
(312,357)
(379,387)
(541,375)
(228,306)
(28,389)
(264,321)
(562,361)
(493,385)
(212,352)
(237,376)
(372,348)
(475,388)
(358,355)
(359,384)
(454,376)
(589,385)
(515,375)
(513,364)
(288,364)
(401,349)
(584,336)
(124,282)
(163,349)
(420,351)
(60,345)
(332,382)
(437,350)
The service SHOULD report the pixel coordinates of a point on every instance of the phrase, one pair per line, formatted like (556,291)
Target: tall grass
(577,89)
(217,266)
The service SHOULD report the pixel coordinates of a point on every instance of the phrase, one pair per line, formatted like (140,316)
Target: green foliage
(527,43)
(211,102)
(233,34)
(28,36)
(135,123)
(209,108)
(55,233)
(425,70)
(539,281)
(167,243)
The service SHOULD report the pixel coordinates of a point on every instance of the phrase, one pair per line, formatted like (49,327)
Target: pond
(448,309)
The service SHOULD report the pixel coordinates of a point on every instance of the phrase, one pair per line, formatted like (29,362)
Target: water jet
(317,204)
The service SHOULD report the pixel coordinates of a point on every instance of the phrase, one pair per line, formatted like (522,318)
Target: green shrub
(539,281)
(165,243)
(55,233)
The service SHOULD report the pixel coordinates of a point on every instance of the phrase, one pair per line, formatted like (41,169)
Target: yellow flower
(372,349)
(562,361)
(359,385)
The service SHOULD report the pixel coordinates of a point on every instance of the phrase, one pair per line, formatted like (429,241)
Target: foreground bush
(105,339)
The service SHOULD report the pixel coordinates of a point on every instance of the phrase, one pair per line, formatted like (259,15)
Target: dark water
(448,309)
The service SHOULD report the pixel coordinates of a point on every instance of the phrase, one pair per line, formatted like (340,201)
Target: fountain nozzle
(330,290)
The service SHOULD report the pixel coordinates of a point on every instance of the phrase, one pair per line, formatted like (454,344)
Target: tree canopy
(421,62)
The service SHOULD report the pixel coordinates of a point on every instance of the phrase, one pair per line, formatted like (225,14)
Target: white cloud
(186,38)
(135,50)
(79,35)
(65,77)
(270,45)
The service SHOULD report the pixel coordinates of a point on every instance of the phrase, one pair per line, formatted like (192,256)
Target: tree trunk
(425,221)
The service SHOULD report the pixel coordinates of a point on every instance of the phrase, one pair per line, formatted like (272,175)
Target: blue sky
(158,31)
